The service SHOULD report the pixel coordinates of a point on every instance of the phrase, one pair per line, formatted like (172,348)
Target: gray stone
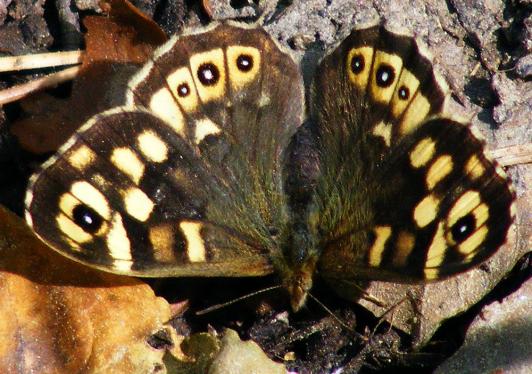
(499,339)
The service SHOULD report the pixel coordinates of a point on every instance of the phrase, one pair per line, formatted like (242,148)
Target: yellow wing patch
(405,90)
(243,64)
(439,169)
(81,193)
(162,241)
(119,245)
(152,146)
(205,127)
(163,104)
(474,167)
(81,157)
(426,210)
(137,204)
(75,233)
(382,234)
(195,245)
(358,66)
(416,112)
(403,247)
(384,130)
(208,70)
(436,253)
(87,194)
(183,89)
(422,152)
(463,206)
(386,69)
(128,163)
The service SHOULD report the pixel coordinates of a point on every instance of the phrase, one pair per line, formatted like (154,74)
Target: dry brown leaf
(126,36)
(61,317)
(101,83)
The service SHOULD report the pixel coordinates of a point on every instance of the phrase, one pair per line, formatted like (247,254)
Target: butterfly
(200,172)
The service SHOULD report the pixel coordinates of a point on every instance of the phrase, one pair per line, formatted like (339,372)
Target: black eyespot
(183,90)
(208,74)
(404,93)
(87,218)
(385,75)
(357,64)
(463,228)
(244,63)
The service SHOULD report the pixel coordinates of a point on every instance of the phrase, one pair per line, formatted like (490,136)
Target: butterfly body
(191,176)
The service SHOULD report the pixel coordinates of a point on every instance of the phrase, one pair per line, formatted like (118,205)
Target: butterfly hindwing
(130,196)
(440,212)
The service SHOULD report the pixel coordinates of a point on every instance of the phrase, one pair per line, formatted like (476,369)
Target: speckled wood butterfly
(189,176)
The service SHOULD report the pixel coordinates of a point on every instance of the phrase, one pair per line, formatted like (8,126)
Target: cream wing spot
(138,205)
(386,68)
(205,127)
(439,169)
(184,89)
(422,152)
(405,89)
(71,230)
(358,65)
(384,130)
(128,163)
(195,245)
(208,69)
(382,234)
(481,213)
(463,206)
(152,146)
(81,157)
(162,241)
(474,167)
(118,244)
(243,65)
(90,196)
(426,210)
(436,253)
(403,247)
(263,100)
(473,242)
(164,105)
(416,112)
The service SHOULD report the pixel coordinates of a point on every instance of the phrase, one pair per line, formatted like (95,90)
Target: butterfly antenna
(335,317)
(223,305)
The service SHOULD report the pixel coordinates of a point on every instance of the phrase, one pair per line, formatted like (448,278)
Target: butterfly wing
(185,179)
(405,193)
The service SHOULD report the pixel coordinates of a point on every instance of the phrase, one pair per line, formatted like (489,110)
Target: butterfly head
(299,266)
(299,283)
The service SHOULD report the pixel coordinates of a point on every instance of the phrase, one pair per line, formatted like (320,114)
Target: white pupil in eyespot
(207,74)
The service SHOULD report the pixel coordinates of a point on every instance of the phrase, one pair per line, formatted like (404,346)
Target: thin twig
(18,92)
(41,60)
(513,155)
